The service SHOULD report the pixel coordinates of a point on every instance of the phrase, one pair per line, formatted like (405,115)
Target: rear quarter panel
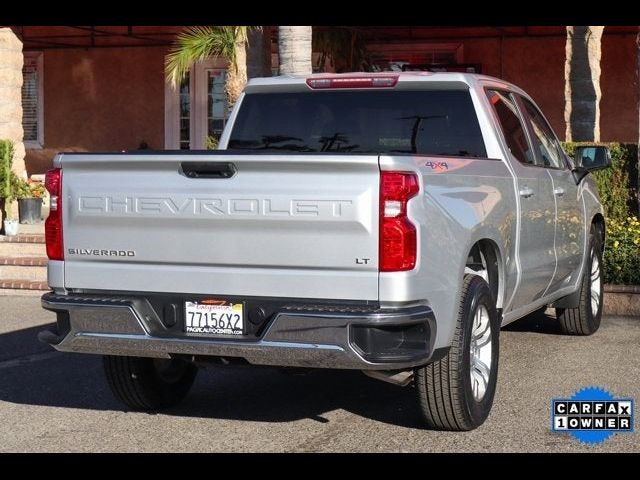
(463,200)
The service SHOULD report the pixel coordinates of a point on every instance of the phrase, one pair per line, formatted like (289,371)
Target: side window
(512,127)
(544,141)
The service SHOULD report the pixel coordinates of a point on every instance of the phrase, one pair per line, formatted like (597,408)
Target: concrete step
(23,268)
(23,238)
(15,292)
(22,246)
(23,273)
(18,284)
(22,250)
(30,229)
(23,262)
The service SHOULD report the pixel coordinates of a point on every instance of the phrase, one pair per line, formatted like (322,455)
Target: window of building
(196,112)
(184,115)
(396,56)
(32,101)
(217,105)
(512,128)
(544,141)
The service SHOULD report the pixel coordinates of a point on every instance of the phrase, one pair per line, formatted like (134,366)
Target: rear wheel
(149,383)
(585,318)
(456,392)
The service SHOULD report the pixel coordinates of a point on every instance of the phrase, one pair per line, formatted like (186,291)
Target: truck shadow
(536,322)
(34,374)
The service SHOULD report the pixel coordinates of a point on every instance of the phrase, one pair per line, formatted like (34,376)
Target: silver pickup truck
(389,223)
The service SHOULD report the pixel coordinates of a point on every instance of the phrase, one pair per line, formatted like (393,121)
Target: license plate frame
(214,318)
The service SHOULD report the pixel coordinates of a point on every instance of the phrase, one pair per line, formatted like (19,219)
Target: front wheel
(585,318)
(456,392)
(149,383)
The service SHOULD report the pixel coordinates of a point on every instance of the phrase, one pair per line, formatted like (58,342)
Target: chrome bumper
(297,335)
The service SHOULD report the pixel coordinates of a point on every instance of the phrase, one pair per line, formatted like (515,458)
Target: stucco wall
(537,66)
(11,61)
(113,99)
(619,84)
(101,100)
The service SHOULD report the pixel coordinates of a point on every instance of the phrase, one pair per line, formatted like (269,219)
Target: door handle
(526,192)
(208,169)
(558,191)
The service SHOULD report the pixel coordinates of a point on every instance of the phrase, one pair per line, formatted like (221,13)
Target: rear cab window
(426,122)
(544,141)
(513,130)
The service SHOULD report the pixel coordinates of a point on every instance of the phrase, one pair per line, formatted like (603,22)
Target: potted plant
(29,195)
(6,187)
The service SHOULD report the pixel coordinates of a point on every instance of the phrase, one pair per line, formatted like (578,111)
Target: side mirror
(592,158)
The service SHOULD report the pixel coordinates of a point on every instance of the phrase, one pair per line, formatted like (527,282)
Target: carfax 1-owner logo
(592,415)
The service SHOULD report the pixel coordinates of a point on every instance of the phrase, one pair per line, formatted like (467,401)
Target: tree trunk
(259,52)
(237,74)
(582,83)
(294,50)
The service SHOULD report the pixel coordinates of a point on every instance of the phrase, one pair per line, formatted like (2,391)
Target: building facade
(104,88)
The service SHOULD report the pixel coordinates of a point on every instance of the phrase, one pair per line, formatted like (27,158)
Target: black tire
(444,388)
(148,383)
(582,320)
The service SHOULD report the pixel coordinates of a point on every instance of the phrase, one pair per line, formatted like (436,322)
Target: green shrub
(613,183)
(622,251)
(622,244)
(212,142)
(19,188)
(6,160)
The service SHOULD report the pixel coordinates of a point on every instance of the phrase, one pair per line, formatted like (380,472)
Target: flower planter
(30,210)
(10,227)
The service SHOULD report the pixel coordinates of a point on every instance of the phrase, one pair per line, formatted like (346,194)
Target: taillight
(398,239)
(385,81)
(53,224)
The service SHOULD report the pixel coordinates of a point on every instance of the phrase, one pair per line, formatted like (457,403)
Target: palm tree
(582,83)
(198,43)
(344,48)
(294,50)
(259,52)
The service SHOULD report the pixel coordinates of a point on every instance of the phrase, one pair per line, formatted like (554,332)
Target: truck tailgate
(300,226)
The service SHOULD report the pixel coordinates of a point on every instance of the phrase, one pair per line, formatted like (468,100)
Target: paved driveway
(60,402)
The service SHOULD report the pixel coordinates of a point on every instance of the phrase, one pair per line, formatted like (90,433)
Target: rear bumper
(292,334)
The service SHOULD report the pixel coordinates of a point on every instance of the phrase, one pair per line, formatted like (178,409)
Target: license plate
(214,317)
